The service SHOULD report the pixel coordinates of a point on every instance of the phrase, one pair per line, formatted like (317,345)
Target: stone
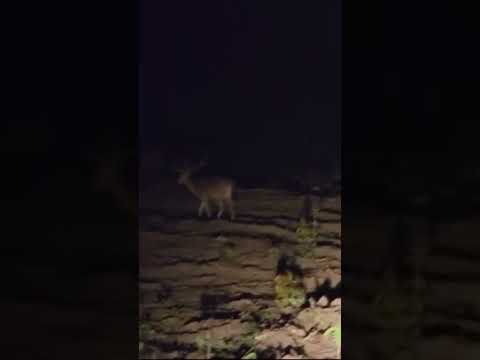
(323,302)
(296,331)
(336,302)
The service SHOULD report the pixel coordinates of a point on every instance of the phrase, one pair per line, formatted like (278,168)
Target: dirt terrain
(211,288)
(434,311)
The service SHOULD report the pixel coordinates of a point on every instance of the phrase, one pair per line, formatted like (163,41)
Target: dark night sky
(253,82)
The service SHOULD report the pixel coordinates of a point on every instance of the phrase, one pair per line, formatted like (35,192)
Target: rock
(221,239)
(323,302)
(296,331)
(242,305)
(280,338)
(310,284)
(196,355)
(170,355)
(292,355)
(153,353)
(336,302)
(319,347)
(203,292)
(318,318)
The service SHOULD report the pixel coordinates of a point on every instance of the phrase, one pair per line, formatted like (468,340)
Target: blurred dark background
(256,87)
(69,98)
(409,112)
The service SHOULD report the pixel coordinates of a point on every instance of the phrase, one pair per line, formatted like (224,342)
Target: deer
(208,189)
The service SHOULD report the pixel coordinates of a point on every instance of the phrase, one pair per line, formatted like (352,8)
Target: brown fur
(208,189)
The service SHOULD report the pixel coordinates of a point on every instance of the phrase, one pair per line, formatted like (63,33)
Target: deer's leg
(220,209)
(207,207)
(231,209)
(200,209)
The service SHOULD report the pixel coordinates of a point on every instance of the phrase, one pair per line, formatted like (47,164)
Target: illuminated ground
(447,322)
(207,287)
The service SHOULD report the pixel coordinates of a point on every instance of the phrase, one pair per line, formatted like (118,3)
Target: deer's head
(187,170)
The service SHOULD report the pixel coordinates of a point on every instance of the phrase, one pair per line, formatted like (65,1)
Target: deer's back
(214,187)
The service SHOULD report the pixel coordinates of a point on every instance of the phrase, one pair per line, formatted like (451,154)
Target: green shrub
(264,316)
(289,292)
(229,348)
(145,332)
(336,333)
(307,236)
(307,233)
(229,253)
(250,356)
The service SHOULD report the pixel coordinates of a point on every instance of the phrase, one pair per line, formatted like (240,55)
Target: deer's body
(210,189)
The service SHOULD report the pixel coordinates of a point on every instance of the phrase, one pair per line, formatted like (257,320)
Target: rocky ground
(434,312)
(213,288)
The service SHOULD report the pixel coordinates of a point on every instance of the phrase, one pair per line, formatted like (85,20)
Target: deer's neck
(191,186)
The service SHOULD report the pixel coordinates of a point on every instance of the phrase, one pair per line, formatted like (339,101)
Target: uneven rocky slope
(207,286)
(428,307)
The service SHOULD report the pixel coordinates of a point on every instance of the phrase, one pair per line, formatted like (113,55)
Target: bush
(307,233)
(289,291)
(229,348)
(145,332)
(336,333)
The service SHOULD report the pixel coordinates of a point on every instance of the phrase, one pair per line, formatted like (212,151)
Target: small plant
(308,233)
(305,250)
(251,329)
(247,340)
(289,291)
(227,348)
(336,333)
(252,355)
(204,344)
(169,323)
(145,332)
(228,253)
(264,316)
